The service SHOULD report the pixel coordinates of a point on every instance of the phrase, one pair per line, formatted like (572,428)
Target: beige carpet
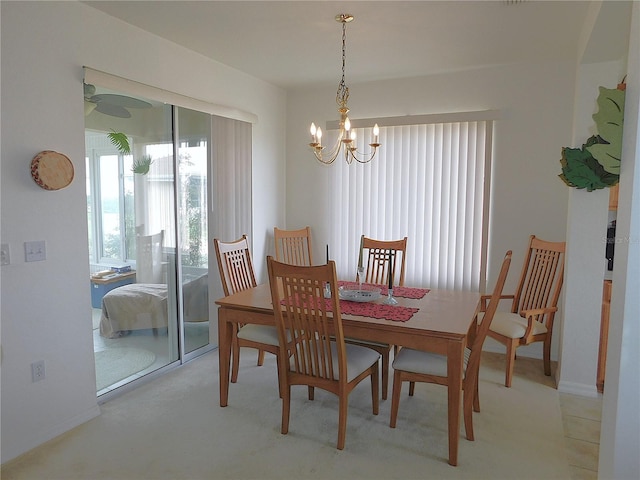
(173,428)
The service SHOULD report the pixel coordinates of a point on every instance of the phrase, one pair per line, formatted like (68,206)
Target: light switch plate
(35,251)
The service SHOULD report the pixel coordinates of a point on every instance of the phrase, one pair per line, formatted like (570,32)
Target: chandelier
(346,138)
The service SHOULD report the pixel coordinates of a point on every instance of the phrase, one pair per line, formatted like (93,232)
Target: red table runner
(396,313)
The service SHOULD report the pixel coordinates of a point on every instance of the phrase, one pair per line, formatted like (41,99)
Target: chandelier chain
(342,95)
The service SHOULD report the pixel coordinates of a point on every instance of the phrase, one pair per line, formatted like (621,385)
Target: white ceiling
(298,43)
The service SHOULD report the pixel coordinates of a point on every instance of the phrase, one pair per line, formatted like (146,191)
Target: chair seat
(260,333)
(512,325)
(359,359)
(427,363)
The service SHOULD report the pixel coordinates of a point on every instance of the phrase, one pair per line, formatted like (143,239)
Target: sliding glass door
(193,143)
(147,184)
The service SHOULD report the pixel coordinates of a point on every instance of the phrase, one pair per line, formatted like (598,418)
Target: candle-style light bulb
(313,132)
(319,135)
(376,132)
(353,135)
(347,124)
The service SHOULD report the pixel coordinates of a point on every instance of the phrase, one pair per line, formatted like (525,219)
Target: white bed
(141,306)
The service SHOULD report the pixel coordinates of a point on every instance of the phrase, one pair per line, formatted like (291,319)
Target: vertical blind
(231,179)
(428,182)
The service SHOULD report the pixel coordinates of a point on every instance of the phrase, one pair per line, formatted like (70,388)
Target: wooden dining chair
(311,336)
(236,274)
(375,260)
(417,366)
(293,246)
(534,304)
(150,261)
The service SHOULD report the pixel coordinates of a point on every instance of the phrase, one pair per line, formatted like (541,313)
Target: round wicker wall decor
(51,170)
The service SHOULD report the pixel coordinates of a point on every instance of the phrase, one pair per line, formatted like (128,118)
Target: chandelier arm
(361,157)
(332,154)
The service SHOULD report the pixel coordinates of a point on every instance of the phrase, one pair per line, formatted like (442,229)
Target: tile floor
(580,416)
(581,422)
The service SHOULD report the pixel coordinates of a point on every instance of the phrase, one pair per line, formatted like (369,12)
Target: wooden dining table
(441,324)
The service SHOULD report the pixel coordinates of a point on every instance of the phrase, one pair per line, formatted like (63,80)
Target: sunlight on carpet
(115,364)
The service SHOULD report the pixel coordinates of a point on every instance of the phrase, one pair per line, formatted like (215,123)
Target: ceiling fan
(110,103)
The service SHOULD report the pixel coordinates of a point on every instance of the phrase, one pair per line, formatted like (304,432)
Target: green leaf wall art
(609,123)
(581,170)
(597,164)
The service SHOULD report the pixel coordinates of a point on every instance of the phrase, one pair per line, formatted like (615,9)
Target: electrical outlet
(37,371)
(35,251)
(5,254)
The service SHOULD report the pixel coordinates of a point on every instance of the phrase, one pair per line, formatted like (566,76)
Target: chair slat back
(378,260)
(293,246)
(305,320)
(150,258)
(234,263)
(542,276)
(482,329)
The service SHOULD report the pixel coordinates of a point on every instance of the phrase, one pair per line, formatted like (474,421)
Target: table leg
(225,331)
(455,355)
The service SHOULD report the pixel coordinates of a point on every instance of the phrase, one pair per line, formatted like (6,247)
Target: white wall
(536,102)
(620,437)
(46,308)
(586,234)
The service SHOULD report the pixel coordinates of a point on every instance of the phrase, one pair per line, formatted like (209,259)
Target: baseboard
(528,351)
(581,389)
(58,430)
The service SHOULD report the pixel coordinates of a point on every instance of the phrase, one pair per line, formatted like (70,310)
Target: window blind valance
(131,87)
(426,119)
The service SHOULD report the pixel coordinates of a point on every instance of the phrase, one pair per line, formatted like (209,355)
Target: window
(109,201)
(429,182)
